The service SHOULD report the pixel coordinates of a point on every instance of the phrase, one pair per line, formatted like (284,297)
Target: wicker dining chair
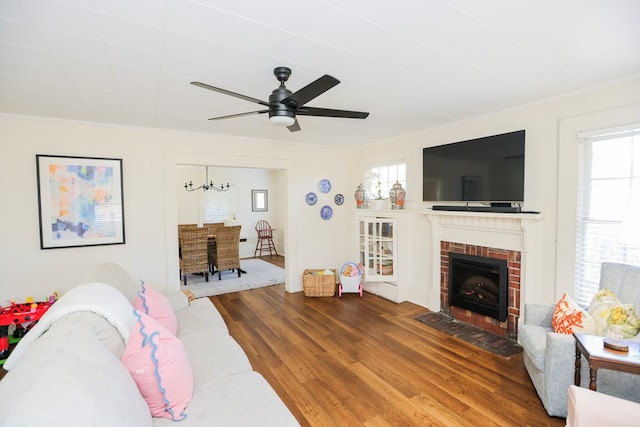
(227,252)
(193,253)
(212,230)
(265,238)
(184,227)
(213,227)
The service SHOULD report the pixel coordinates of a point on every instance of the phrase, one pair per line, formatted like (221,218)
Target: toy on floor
(23,316)
(351,275)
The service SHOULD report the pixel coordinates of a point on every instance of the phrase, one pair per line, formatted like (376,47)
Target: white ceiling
(413,64)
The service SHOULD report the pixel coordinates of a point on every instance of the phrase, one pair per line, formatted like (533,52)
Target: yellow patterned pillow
(613,319)
(569,317)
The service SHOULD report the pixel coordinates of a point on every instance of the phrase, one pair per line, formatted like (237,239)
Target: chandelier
(205,187)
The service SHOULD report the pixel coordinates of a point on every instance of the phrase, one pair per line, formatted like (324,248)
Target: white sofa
(72,374)
(589,408)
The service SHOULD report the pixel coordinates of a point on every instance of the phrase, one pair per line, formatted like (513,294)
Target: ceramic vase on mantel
(397,195)
(359,194)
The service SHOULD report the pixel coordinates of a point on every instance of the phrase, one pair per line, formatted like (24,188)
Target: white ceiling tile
(31,106)
(197,20)
(253,37)
(130,33)
(345,30)
(128,57)
(182,68)
(280,14)
(151,12)
(404,17)
(111,98)
(138,102)
(70,102)
(52,74)
(39,58)
(60,16)
(127,78)
(189,47)
(412,64)
(22,34)
(249,71)
(12,10)
(14,86)
(71,45)
(85,72)
(52,91)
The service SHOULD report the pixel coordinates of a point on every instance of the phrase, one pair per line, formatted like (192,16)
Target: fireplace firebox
(479,284)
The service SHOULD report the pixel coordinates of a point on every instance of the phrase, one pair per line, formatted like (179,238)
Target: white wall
(150,174)
(549,181)
(150,158)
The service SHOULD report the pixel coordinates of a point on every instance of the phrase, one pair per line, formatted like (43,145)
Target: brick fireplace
(513,237)
(509,327)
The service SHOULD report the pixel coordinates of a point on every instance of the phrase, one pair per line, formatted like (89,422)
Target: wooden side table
(592,347)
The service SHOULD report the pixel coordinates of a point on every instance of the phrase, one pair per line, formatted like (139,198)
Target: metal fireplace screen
(479,284)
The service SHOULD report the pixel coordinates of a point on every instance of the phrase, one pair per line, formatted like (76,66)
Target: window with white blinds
(608,208)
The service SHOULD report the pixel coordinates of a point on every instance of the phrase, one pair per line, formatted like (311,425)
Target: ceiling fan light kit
(284,105)
(282,120)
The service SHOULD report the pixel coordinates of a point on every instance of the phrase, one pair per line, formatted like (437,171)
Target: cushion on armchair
(533,339)
(569,317)
(612,318)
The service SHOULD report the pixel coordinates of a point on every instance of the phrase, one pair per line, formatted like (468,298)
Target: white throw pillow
(569,317)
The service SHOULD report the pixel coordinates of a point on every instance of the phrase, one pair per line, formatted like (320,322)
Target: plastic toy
(23,316)
(351,278)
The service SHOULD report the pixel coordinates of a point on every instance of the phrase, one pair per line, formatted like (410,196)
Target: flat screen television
(488,169)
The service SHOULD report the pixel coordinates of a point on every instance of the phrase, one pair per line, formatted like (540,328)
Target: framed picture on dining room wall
(80,201)
(259,201)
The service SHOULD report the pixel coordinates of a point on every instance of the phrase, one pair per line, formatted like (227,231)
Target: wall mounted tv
(488,169)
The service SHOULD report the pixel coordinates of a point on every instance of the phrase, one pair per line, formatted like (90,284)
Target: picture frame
(259,201)
(80,201)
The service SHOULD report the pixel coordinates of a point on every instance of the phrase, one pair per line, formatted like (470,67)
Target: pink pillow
(158,363)
(156,305)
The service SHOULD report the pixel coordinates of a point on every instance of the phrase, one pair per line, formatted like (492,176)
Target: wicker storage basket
(319,285)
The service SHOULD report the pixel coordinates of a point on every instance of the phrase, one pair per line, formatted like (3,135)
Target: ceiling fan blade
(295,127)
(250,113)
(327,112)
(228,92)
(310,91)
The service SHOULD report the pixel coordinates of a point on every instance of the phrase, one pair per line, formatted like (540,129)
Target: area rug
(496,344)
(258,274)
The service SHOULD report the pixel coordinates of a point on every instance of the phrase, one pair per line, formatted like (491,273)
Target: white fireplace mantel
(512,231)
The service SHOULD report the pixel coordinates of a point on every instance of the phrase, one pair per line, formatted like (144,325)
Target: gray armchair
(550,357)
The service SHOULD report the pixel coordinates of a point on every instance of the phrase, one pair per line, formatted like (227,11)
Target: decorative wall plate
(326,212)
(324,185)
(311,198)
(339,199)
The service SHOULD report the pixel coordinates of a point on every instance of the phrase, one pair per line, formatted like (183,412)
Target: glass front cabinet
(378,253)
(377,248)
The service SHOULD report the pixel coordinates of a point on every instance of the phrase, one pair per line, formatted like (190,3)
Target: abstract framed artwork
(80,201)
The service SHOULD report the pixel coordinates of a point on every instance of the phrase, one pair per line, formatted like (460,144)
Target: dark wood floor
(365,361)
